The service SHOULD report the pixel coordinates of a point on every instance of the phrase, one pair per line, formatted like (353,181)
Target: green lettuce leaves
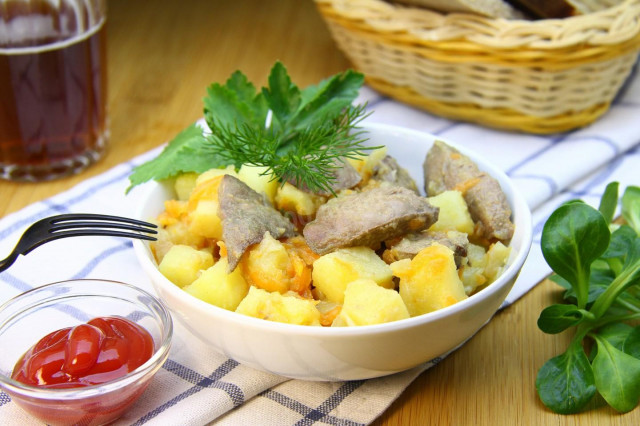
(295,133)
(598,264)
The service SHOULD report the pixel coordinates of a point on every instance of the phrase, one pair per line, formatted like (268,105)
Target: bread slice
(562,8)
(488,8)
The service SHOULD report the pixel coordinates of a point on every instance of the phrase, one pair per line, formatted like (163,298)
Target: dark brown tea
(52,90)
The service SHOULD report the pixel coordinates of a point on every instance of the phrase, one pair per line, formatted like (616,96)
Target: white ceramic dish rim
(519,207)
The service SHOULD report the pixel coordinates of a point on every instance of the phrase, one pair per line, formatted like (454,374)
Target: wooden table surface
(162,56)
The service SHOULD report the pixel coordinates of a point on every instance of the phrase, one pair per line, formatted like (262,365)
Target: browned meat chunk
(412,243)
(368,218)
(445,168)
(388,170)
(344,177)
(245,218)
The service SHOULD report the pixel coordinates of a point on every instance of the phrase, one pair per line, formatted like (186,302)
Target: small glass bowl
(30,316)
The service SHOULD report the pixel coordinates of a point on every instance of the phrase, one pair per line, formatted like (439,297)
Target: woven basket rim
(615,25)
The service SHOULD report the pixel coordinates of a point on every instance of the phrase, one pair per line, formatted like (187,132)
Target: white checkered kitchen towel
(197,386)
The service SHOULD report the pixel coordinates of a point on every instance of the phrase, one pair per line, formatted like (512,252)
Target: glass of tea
(53,118)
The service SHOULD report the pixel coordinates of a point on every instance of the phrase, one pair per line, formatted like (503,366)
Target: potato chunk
(287,308)
(176,233)
(266,265)
(214,173)
(429,281)
(217,287)
(184,184)
(204,220)
(365,302)
(497,257)
(333,271)
(483,267)
(256,179)
(279,266)
(454,214)
(472,272)
(289,198)
(202,208)
(367,163)
(183,264)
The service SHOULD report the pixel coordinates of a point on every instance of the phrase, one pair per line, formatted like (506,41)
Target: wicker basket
(540,76)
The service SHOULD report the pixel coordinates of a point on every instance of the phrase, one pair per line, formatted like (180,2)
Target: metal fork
(77,225)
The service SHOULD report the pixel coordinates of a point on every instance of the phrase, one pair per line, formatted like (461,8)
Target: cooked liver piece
(368,218)
(412,243)
(389,171)
(246,217)
(445,168)
(345,177)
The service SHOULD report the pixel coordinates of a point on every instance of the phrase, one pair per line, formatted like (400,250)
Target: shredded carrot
(299,246)
(223,248)
(164,219)
(295,276)
(327,318)
(174,211)
(273,280)
(467,184)
(389,256)
(207,190)
(175,208)
(416,223)
(300,275)
(258,279)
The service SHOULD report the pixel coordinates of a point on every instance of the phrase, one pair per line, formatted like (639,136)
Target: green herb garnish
(298,135)
(598,263)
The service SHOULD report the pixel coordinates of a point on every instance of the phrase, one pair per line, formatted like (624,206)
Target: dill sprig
(305,156)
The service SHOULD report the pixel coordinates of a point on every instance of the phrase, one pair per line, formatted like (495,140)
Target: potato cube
(333,271)
(184,184)
(497,257)
(365,302)
(266,265)
(429,281)
(290,198)
(179,233)
(183,264)
(162,245)
(483,267)
(204,220)
(454,214)
(262,183)
(217,287)
(472,271)
(367,163)
(213,173)
(287,308)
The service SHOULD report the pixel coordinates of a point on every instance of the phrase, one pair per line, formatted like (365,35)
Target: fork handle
(5,263)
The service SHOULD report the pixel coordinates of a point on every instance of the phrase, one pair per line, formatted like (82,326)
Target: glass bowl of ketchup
(81,351)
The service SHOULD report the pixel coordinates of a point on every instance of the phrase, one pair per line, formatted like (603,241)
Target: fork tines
(96,224)
(101,217)
(77,225)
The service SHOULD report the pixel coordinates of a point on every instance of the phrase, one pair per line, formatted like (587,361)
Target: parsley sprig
(298,135)
(598,263)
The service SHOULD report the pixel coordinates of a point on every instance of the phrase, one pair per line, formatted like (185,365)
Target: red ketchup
(99,351)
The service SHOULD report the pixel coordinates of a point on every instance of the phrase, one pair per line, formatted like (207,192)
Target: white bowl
(346,353)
